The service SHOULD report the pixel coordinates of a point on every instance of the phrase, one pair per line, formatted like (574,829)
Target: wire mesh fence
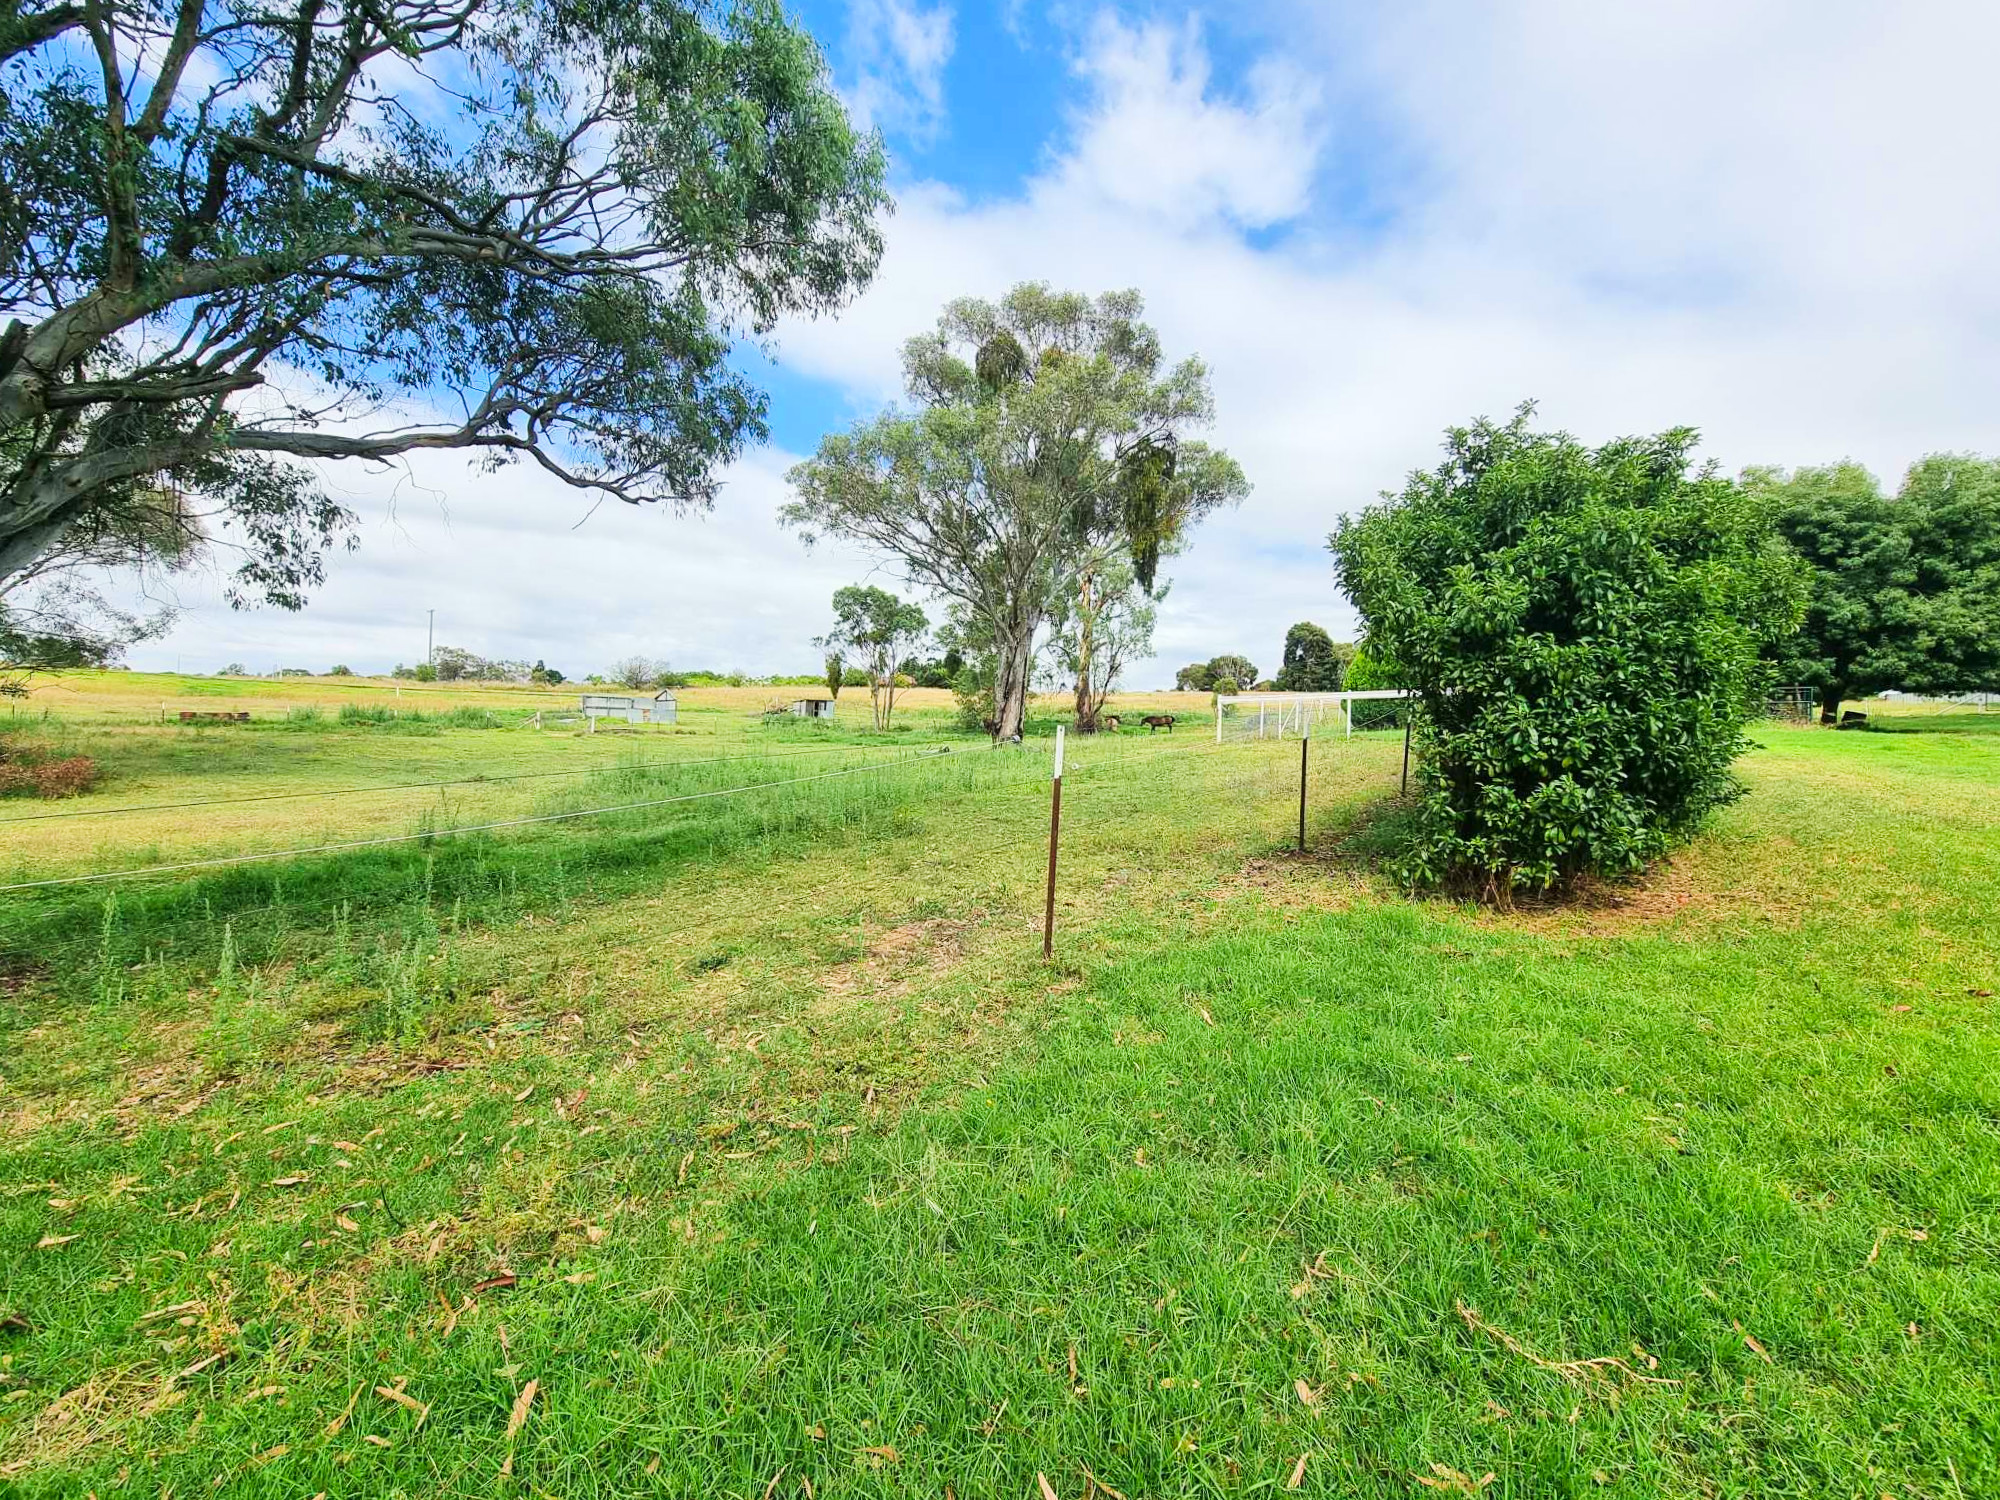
(1259,716)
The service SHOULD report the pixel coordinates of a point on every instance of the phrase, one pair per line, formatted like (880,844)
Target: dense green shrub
(1367,672)
(1583,629)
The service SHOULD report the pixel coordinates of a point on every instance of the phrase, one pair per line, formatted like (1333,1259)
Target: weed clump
(29,772)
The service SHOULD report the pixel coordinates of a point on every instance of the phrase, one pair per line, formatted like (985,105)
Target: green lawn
(766,1150)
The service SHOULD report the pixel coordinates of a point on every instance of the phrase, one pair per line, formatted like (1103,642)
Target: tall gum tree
(1039,427)
(528,229)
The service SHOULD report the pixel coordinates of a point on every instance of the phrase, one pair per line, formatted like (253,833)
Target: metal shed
(659,709)
(813,708)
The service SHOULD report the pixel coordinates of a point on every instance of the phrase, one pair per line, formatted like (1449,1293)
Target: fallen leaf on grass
(518,1418)
(1114,1494)
(288,1181)
(1606,1368)
(1298,1474)
(1306,1393)
(347,1224)
(494,1283)
(770,1488)
(51,1241)
(1755,1348)
(581,1278)
(885,1454)
(1042,1483)
(333,1427)
(380,1442)
(404,1399)
(522,1097)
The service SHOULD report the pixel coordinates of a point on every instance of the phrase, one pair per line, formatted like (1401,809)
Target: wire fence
(479,779)
(138,915)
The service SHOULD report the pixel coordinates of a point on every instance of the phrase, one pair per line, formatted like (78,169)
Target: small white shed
(813,708)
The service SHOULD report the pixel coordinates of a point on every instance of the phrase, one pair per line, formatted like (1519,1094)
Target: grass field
(744,1146)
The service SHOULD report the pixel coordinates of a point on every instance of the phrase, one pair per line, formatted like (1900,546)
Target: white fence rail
(1274,715)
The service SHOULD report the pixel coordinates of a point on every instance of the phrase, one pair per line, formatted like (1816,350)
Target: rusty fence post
(1055,833)
(1305,744)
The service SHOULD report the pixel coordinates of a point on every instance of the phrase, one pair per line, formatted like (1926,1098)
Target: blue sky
(1775,220)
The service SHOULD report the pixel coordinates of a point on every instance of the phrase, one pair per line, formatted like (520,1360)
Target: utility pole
(430,641)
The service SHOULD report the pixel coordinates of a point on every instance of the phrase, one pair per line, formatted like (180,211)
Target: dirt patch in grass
(1309,882)
(1687,887)
(892,958)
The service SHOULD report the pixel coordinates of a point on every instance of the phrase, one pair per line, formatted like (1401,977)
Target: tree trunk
(1010,684)
(1829,705)
(1086,708)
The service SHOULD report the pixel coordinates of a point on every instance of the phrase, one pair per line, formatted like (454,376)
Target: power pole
(430,641)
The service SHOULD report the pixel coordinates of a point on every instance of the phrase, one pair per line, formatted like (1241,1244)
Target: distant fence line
(1278,714)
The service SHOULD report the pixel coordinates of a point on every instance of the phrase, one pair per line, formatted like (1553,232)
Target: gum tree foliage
(881,630)
(1231,668)
(1313,663)
(1194,678)
(234,236)
(1093,633)
(1905,589)
(638,672)
(1583,628)
(455,664)
(1039,427)
(54,614)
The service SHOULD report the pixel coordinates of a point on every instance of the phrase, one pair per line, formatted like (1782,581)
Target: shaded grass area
(1935,723)
(804,1168)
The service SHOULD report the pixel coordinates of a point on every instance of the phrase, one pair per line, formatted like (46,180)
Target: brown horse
(1158,721)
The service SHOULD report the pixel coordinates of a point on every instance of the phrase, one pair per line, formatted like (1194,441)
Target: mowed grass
(772,1161)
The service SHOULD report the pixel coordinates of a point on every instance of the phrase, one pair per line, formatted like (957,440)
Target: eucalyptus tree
(1099,630)
(234,235)
(881,630)
(1039,427)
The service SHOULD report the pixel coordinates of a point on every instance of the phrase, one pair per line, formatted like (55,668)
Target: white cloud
(1155,139)
(898,52)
